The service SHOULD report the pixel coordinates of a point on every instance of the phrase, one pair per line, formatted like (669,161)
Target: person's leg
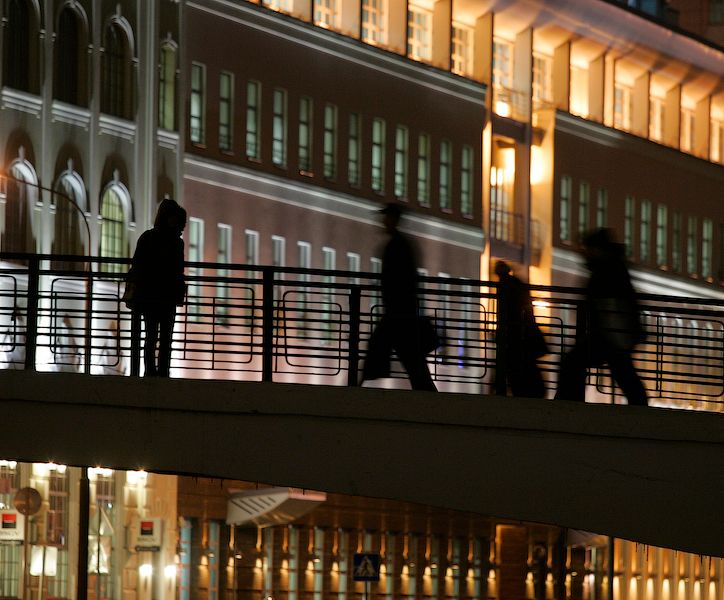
(501,375)
(167,317)
(415,363)
(377,359)
(624,374)
(151,323)
(526,380)
(572,375)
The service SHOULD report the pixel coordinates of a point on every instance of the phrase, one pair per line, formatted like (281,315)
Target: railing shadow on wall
(312,326)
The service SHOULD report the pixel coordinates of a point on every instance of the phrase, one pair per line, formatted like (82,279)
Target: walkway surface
(651,475)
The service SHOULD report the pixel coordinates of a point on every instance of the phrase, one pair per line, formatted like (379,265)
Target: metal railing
(267,323)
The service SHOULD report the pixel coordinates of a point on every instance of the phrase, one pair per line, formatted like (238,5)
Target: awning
(271,506)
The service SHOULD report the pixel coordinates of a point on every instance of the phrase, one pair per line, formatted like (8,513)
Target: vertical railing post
(83,519)
(267,323)
(88,345)
(31,321)
(353,349)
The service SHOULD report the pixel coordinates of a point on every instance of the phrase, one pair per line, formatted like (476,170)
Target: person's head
(502,269)
(391,214)
(170,216)
(600,244)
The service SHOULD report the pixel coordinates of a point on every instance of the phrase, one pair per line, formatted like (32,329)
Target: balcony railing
(312,326)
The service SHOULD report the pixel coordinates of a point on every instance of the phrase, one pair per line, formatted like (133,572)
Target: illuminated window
(378,155)
(304,255)
(279,5)
(325,13)
(622,107)
(676,242)
(645,231)
(584,207)
(423,169)
(657,108)
(462,49)
(502,64)
(330,141)
(279,128)
(70,200)
(113,226)
(707,231)
(564,219)
(602,208)
(354,150)
(687,130)
(305,134)
(628,225)
(466,181)
(375,295)
(445,169)
(226,110)
(353,265)
(213,546)
(223,257)
(542,78)
(691,246)
(662,233)
(419,32)
(329,263)
(195,255)
(167,87)
(197,113)
(401,143)
(373,21)
(253,120)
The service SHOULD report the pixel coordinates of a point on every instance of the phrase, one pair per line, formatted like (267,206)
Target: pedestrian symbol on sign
(366,567)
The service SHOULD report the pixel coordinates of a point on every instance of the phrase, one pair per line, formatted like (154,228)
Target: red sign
(10,521)
(146,527)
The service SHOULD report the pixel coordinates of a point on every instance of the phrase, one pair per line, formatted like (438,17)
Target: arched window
(167,87)
(116,74)
(69,58)
(115,205)
(22,194)
(16,68)
(70,203)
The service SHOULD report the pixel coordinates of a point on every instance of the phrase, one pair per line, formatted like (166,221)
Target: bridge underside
(651,475)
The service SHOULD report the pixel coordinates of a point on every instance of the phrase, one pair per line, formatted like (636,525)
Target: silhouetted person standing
(158,273)
(613,324)
(399,329)
(518,340)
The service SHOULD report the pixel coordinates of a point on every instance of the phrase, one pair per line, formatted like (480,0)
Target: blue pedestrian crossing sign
(366,567)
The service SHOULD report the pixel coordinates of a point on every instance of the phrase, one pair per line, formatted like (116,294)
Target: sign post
(366,567)
(27,502)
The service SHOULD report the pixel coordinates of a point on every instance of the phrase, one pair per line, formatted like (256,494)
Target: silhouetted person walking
(518,340)
(613,324)
(400,327)
(158,275)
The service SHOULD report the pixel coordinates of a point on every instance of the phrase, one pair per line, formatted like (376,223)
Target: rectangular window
(251,247)
(622,106)
(195,254)
(278,5)
(462,49)
(197,114)
(466,182)
(707,231)
(687,130)
(564,219)
(445,168)
(584,207)
(716,12)
(167,87)
(502,64)
(354,150)
(542,79)
(226,111)
(325,13)
(423,169)
(419,33)
(223,257)
(373,22)
(662,234)
(676,242)
(329,263)
(213,546)
(305,134)
(602,208)
(378,155)
(628,225)
(656,118)
(304,261)
(279,246)
(253,120)
(375,295)
(279,128)
(353,264)
(330,141)
(401,143)
(691,246)
(645,231)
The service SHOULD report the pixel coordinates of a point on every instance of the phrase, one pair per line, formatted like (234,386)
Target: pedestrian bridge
(652,475)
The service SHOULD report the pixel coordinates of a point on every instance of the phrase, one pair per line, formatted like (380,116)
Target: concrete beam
(651,475)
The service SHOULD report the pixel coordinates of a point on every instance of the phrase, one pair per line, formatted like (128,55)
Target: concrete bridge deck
(651,475)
